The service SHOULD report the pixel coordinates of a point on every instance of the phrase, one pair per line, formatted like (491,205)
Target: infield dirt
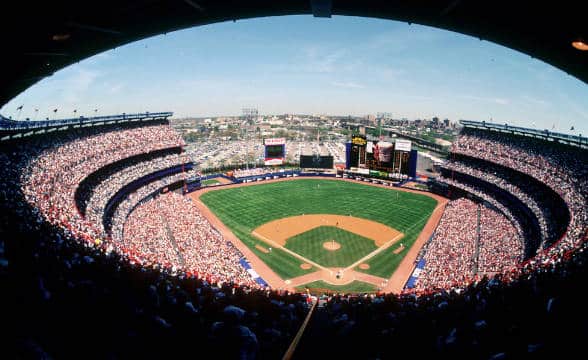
(281,230)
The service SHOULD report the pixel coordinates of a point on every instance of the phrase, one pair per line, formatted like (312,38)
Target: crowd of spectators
(482,195)
(240,173)
(171,228)
(101,194)
(87,187)
(449,256)
(50,180)
(114,223)
(66,295)
(561,167)
(525,195)
(501,247)
(60,274)
(538,315)
(470,240)
(203,250)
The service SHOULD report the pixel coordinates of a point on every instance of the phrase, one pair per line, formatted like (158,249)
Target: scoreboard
(275,151)
(379,158)
(316,162)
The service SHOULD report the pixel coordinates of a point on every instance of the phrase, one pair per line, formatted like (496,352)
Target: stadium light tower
(249,115)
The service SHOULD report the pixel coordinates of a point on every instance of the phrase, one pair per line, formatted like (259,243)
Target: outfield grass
(245,208)
(320,287)
(310,245)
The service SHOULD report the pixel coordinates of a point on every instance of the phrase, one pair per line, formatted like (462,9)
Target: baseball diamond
(299,219)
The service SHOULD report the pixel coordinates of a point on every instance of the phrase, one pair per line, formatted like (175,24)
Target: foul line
(290,352)
(300,257)
(389,243)
(375,252)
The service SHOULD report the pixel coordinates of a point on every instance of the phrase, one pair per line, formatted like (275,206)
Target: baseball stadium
(115,243)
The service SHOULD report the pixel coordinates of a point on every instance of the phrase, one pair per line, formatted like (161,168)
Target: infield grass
(310,245)
(245,208)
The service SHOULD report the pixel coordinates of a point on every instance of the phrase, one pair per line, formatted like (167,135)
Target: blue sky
(301,64)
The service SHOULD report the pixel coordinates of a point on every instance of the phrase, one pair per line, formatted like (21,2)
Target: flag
(19,108)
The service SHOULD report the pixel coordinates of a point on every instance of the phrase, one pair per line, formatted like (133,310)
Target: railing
(119,196)
(578,139)
(419,141)
(476,259)
(8,124)
(170,236)
(290,352)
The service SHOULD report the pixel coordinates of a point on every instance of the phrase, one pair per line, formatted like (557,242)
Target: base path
(330,277)
(282,229)
(394,284)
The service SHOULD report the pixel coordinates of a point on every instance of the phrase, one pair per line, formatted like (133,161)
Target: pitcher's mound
(332,245)
(305,266)
(364,266)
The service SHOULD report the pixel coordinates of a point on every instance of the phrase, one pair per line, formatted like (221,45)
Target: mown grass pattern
(310,245)
(245,208)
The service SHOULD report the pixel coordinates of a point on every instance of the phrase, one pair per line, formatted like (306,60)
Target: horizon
(342,66)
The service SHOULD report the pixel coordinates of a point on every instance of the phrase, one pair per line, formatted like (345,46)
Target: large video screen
(382,154)
(274,151)
(316,162)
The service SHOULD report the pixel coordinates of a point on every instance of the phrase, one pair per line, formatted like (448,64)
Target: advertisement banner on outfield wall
(274,161)
(402,145)
(363,171)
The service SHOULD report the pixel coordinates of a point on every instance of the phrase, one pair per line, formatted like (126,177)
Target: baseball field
(313,226)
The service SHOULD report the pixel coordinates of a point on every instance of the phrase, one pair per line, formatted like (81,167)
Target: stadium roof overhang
(43,37)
